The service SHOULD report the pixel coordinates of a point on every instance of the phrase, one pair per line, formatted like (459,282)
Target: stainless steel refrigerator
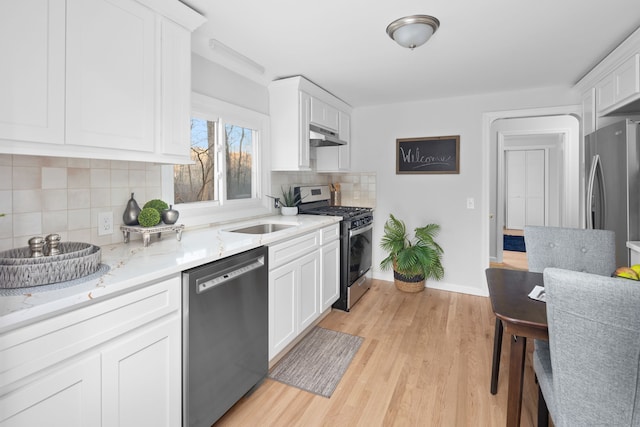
(612,200)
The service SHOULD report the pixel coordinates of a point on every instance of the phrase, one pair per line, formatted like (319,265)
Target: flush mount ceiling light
(413,31)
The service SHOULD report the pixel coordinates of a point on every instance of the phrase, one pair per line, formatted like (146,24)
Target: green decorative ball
(156,204)
(148,217)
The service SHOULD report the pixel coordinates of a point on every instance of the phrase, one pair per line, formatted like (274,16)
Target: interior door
(525,188)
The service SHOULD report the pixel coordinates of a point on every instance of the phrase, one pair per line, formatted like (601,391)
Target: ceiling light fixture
(413,31)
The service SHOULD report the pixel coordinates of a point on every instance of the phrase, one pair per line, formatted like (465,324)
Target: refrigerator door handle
(596,165)
(592,175)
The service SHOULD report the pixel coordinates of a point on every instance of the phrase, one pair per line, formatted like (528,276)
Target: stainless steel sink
(262,228)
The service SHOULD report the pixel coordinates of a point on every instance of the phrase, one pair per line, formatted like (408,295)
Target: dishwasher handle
(210,283)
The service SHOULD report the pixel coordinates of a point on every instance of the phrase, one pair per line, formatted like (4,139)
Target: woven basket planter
(408,283)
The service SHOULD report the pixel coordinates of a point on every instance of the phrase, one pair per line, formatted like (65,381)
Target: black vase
(131,212)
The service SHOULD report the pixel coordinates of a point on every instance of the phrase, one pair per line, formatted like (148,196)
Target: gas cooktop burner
(343,211)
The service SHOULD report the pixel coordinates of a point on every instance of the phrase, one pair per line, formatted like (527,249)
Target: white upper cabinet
(627,78)
(324,115)
(110,74)
(589,112)
(107,79)
(290,110)
(32,45)
(337,159)
(176,88)
(294,103)
(612,88)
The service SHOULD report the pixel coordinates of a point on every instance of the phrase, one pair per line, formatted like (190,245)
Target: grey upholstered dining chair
(589,374)
(590,251)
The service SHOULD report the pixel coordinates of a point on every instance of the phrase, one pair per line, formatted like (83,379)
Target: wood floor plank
(425,361)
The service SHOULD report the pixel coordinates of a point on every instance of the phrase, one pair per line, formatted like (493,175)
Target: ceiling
(481,46)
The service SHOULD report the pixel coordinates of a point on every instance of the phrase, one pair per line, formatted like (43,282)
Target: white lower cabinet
(68,396)
(330,275)
(294,289)
(303,283)
(141,377)
(113,363)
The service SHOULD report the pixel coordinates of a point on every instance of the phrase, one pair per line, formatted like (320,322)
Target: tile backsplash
(358,189)
(44,195)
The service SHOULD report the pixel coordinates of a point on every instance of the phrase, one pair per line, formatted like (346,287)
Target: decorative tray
(75,260)
(148,231)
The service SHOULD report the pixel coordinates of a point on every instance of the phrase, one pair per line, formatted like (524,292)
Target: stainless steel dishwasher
(225,334)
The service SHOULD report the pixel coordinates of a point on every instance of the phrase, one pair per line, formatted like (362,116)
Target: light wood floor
(512,259)
(425,361)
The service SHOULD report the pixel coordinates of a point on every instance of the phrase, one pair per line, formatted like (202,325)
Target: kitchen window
(223,169)
(227,176)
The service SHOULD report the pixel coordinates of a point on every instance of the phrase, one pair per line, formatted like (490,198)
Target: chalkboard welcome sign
(438,154)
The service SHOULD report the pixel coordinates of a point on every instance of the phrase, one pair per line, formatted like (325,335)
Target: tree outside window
(200,182)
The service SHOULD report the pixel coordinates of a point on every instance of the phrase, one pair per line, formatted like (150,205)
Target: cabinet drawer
(34,347)
(329,233)
(282,253)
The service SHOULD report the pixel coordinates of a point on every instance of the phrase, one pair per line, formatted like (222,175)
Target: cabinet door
(282,297)
(344,151)
(627,78)
(67,396)
(589,112)
(323,114)
(330,274)
(110,74)
(32,72)
(303,146)
(176,89)
(309,290)
(141,377)
(605,93)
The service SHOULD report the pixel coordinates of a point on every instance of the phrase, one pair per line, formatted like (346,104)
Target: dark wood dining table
(522,318)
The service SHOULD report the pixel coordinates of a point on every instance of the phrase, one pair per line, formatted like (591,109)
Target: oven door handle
(360,230)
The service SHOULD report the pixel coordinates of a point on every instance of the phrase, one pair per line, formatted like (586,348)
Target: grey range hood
(320,137)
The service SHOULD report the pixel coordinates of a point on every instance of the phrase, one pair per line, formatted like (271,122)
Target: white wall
(421,199)
(209,78)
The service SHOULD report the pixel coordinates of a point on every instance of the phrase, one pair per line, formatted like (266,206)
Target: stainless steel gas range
(355,241)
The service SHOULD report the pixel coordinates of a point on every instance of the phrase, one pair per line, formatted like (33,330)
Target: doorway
(542,187)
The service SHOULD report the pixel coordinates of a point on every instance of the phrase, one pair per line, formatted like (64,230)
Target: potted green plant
(288,202)
(413,261)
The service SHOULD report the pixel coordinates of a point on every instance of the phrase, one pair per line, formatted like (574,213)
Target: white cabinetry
(290,110)
(293,104)
(32,75)
(330,262)
(113,363)
(336,159)
(110,74)
(176,89)
(612,88)
(621,84)
(589,111)
(96,79)
(68,396)
(141,377)
(324,115)
(294,289)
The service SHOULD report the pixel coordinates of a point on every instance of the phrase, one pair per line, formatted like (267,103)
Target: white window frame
(222,210)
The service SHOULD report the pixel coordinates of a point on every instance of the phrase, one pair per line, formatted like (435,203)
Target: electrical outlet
(105,223)
(471,203)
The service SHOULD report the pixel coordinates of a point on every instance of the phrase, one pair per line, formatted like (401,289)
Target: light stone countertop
(133,266)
